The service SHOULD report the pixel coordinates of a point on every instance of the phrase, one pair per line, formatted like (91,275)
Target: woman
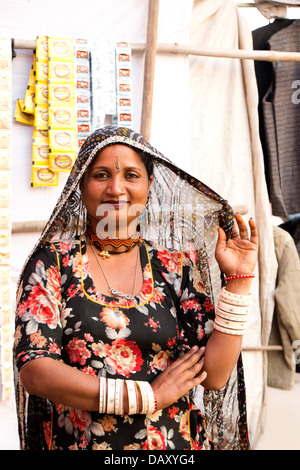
(115,333)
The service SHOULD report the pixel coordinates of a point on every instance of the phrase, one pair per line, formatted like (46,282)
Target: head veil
(180,211)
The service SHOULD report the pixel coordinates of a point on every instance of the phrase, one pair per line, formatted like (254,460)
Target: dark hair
(147,161)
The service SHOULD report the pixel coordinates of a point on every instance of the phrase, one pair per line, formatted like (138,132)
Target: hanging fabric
(280,117)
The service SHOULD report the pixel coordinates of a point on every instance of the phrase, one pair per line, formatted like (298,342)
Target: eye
(132,175)
(101,175)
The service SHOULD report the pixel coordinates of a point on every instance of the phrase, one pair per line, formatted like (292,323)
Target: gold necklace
(113,290)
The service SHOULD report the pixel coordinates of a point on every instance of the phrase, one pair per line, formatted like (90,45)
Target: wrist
(239,286)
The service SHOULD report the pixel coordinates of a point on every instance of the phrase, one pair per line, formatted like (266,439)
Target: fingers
(235,231)
(243,229)
(221,243)
(240,229)
(254,232)
(191,363)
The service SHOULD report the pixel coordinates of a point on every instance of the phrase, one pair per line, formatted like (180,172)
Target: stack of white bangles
(111,397)
(232,313)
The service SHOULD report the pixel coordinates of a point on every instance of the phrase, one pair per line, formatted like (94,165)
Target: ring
(244,238)
(236,235)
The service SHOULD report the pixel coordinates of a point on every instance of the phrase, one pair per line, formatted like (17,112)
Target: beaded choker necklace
(112,246)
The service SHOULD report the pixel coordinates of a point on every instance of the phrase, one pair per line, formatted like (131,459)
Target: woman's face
(115,190)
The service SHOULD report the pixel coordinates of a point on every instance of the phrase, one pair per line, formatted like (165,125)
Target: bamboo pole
(263,348)
(268,56)
(174,48)
(149,68)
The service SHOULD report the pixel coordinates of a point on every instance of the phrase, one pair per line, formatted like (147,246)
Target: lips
(116,204)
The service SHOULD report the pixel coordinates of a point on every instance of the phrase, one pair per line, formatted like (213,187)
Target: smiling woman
(118,323)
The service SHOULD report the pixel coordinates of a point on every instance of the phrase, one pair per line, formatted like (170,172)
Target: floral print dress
(61,315)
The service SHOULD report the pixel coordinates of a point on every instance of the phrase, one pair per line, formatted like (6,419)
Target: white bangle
(231,316)
(102,395)
(152,400)
(119,397)
(235,299)
(111,387)
(233,325)
(142,386)
(228,331)
(238,310)
(148,397)
(132,397)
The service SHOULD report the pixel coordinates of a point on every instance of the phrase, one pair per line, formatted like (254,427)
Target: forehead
(126,155)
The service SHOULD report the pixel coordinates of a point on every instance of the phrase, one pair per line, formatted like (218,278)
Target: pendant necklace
(113,290)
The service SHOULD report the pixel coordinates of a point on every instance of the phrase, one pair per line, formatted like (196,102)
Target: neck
(108,246)
(117,233)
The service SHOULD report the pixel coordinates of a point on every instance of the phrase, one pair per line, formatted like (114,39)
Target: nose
(116,186)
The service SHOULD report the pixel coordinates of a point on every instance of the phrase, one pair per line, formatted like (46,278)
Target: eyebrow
(108,168)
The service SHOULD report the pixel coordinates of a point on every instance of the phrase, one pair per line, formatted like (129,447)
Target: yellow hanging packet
(41,116)
(21,116)
(28,106)
(62,162)
(43,176)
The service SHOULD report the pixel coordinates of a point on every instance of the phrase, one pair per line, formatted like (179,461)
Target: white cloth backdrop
(204,98)
(226,154)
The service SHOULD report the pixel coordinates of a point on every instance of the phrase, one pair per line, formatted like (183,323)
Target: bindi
(118,168)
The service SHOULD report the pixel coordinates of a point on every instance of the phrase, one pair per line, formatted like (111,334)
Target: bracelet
(235,299)
(111,390)
(119,397)
(235,309)
(154,400)
(233,325)
(137,398)
(149,403)
(132,401)
(142,387)
(239,276)
(231,316)
(111,396)
(228,331)
(102,395)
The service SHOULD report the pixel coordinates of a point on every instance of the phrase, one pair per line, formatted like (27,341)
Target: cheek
(89,194)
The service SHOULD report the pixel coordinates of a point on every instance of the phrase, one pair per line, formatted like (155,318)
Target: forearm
(221,355)
(61,383)
(58,382)
(223,350)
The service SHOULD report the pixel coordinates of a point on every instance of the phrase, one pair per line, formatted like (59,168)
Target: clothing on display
(286,321)
(279,114)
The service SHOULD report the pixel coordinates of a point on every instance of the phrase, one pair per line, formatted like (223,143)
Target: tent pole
(174,48)
(150,53)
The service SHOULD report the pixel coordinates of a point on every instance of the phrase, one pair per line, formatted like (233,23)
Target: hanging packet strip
(21,116)
(124,84)
(41,83)
(28,106)
(103,73)
(6,381)
(83,90)
(61,104)
(42,175)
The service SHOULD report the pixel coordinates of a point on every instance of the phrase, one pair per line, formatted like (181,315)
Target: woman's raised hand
(180,377)
(238,255)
